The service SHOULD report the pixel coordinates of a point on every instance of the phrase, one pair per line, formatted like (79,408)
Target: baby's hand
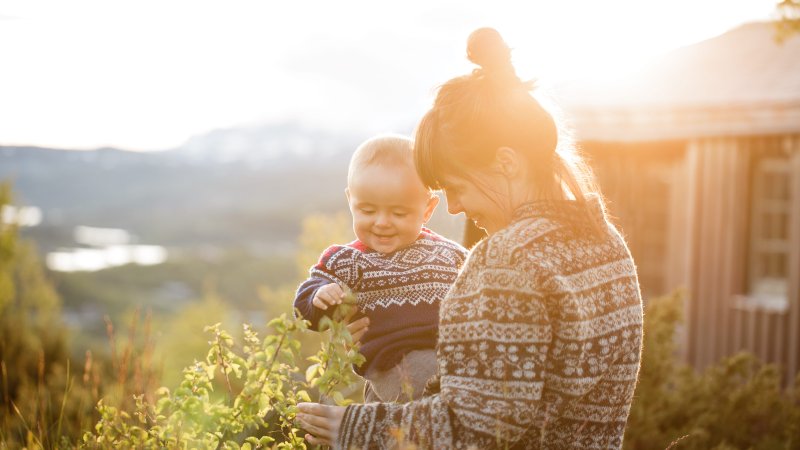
(330,294)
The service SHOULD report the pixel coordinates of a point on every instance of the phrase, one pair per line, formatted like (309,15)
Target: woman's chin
(480,224)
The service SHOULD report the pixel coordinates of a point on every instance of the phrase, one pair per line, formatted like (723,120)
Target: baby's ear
(430,207)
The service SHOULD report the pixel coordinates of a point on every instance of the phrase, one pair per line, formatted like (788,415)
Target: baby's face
(389,206)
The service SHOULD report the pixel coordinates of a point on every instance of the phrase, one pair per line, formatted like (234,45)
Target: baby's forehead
(387,159)
(379,178)
(382,172)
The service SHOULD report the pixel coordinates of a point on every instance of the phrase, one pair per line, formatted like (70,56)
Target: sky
(147,75)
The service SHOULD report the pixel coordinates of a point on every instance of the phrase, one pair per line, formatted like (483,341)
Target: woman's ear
(507,161)
(430,207)
(347,194)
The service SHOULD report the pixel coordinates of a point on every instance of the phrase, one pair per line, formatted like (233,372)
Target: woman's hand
(322,421)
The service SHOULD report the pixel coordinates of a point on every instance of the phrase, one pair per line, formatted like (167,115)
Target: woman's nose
(454,207)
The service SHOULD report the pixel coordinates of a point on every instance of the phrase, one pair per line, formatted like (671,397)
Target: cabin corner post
(694,205)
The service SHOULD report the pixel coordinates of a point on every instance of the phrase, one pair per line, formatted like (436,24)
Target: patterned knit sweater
(539,343)
(400,292)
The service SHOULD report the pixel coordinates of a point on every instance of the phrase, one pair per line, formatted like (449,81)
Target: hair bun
(486,48)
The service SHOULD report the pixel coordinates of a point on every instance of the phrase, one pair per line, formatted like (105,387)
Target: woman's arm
(490,391)
(380,425)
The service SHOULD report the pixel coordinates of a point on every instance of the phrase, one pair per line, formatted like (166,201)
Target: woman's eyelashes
(453,189)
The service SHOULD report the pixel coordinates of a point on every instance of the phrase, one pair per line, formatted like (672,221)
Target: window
(770,206)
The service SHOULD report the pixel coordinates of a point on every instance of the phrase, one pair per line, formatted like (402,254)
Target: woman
(540,336)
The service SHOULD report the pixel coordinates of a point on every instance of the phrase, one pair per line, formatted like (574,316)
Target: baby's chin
(388,245)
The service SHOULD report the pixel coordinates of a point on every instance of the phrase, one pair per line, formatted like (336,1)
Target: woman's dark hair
(475,114)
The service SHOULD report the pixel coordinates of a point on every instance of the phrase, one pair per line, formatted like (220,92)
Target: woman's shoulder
(519,238)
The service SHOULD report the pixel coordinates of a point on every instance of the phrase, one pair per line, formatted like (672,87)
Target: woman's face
(484,203)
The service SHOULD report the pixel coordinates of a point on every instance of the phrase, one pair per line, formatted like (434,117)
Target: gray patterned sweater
(539,343)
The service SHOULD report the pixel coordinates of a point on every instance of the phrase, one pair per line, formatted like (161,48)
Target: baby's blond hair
(383,149)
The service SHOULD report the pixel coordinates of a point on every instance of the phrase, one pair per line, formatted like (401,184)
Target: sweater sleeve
(337,264)
(304,297)
(470,411)
(426,422)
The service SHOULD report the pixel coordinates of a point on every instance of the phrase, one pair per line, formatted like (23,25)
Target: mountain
(265,144)
(239,186)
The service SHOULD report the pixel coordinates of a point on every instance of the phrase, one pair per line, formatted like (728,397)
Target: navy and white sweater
(399,292)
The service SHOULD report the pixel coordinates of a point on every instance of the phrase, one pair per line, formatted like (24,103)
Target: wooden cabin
(699,159)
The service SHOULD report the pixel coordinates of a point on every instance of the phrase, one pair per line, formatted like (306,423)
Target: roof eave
(635,123)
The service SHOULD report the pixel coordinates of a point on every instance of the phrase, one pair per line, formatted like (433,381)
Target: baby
(398,270)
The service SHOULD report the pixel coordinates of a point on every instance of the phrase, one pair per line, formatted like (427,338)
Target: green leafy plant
(44,401)
(737,403)
(241,396)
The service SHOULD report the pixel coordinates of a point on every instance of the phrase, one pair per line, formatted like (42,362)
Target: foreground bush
(737,403)
(244,395)
(42,402)
(262,386)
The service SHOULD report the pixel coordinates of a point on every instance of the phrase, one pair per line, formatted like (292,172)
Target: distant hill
(266,144)
(189,195)
(248,186)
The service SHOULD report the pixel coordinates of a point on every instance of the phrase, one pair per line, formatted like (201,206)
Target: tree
(789,18)
(33,353)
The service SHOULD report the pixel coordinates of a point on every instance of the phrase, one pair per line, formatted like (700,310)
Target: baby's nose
(382,220)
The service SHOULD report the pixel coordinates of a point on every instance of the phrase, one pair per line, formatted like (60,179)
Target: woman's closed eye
(451,189)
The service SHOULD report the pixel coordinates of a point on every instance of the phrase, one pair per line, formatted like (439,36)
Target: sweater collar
(578,213)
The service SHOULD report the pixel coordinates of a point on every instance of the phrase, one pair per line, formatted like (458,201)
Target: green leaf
(263,403)
(237,369)
(303,395)
(311,372)
(212,327)
(210,370)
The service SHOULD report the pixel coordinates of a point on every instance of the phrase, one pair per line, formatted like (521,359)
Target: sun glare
(609,40)
(148,74)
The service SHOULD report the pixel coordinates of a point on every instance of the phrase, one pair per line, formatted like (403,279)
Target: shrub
(737,403)
(260,383)
(40,400)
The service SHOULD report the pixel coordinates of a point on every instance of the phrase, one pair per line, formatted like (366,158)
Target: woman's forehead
(451,180)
